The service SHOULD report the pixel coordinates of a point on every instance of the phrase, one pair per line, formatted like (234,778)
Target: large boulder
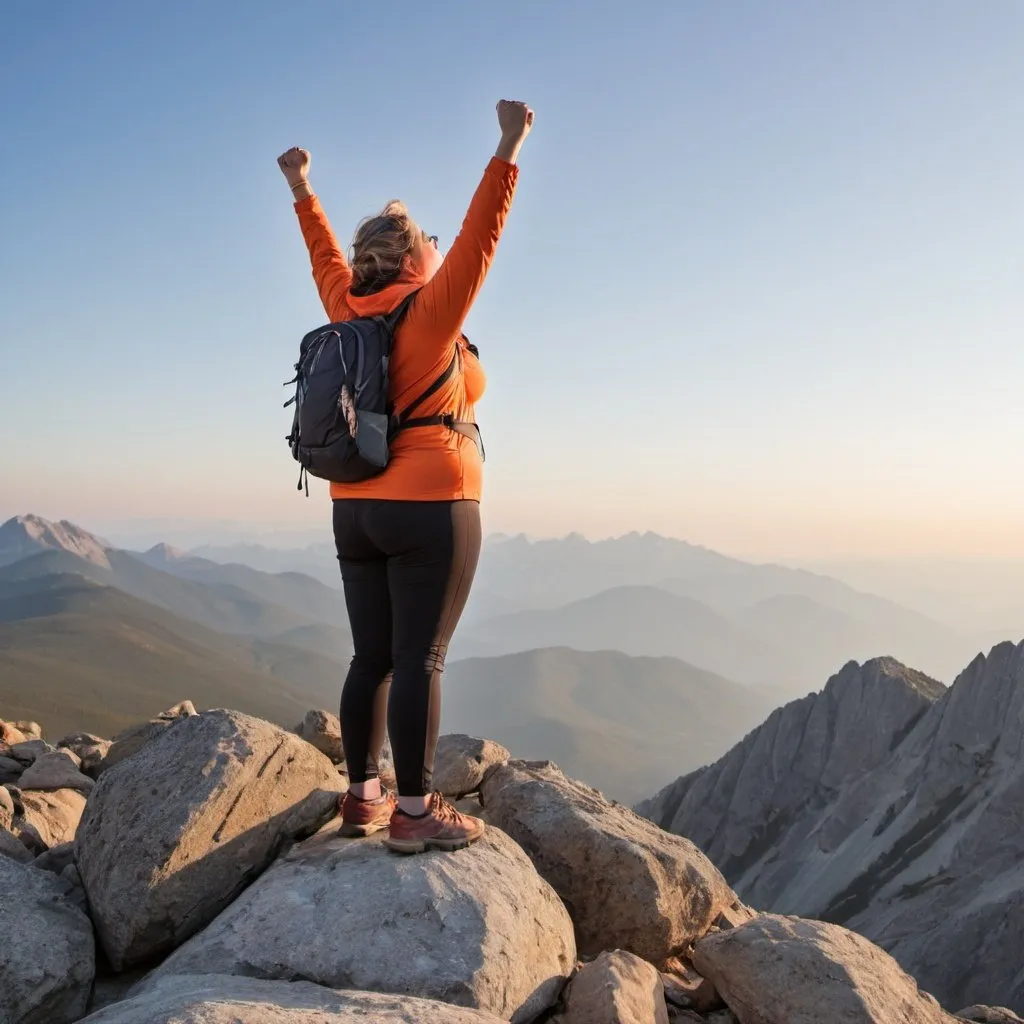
(56,770)
(54,815)
(626,883)
(47,956)
(128,743)
(170,839)
(785,970)
(216,999)
(616,987)
(30,730)
(91,750)
(476,928)
(323,730)
(461,762)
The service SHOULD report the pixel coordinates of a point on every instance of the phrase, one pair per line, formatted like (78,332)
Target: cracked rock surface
(478,928)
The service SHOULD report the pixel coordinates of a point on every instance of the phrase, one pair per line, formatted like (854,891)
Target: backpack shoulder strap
(403,420)
(395,316)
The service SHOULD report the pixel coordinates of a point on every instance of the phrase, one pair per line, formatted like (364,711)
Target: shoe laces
(442,809)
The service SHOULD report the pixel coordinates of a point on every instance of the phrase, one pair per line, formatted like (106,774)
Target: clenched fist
(294,164)
(514,118)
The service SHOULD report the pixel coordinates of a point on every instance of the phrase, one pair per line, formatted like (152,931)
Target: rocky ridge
(204,881)
(899,817)
(26,535)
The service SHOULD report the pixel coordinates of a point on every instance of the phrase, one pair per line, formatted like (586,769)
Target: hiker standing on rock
(408,539)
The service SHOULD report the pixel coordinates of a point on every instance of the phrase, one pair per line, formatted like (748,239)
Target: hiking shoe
(364,817)
(441,828)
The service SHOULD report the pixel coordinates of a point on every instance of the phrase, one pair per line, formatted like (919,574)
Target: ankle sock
(366,799)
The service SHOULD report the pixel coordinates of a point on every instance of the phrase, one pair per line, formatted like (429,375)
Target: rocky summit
(190,871)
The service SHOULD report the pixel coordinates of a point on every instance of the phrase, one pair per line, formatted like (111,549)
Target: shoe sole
(349,831)
(412,846)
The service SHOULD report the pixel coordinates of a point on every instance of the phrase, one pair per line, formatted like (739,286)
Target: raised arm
(330,268)
(442,305)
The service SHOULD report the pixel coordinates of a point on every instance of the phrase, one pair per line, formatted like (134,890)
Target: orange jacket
(427,463)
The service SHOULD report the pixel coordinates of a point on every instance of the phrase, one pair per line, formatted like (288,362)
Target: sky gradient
(760,288)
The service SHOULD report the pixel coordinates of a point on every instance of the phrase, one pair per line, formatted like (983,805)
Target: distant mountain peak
(165,553)
(27,535)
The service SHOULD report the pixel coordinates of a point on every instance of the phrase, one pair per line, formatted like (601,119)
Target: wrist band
(300,184)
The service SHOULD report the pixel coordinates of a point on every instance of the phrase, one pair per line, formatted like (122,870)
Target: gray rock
(56,770)
(214,999)
(461,762)
(323,730)
(685,988)
(784,970)
(169,840)
(47,958)
(128,743)
(110,988)
(54,815)
(91,751)
(990,1015)
(28,751)
(76,891)
(626,883)
(12,846)
(920,851)
(615,987)
(10,770)
(56,859)
(475,928)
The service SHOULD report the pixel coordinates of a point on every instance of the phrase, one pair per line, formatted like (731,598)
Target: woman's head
(388,243)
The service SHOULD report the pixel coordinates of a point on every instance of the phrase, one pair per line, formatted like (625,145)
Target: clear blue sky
(761,286)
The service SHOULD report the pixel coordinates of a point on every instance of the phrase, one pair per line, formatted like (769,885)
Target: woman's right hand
(294,164)
(515,120)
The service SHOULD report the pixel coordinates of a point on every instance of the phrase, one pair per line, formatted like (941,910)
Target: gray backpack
(344,422)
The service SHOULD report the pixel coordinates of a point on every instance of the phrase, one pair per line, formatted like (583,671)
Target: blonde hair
(380,247)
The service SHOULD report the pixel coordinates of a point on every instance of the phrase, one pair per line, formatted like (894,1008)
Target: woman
(409,540)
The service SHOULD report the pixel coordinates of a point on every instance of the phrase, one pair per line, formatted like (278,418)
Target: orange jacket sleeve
(437,313)
(331,271)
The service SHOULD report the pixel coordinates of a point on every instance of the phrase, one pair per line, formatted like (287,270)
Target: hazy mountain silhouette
(814,622)
(614,720)
(640,621)
(300,593)
(75,654)
(224,606)
(27,535)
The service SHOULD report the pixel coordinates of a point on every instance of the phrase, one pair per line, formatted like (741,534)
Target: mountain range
(95,637)
(767,625)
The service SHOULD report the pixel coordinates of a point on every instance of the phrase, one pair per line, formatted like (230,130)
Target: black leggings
(407,567)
